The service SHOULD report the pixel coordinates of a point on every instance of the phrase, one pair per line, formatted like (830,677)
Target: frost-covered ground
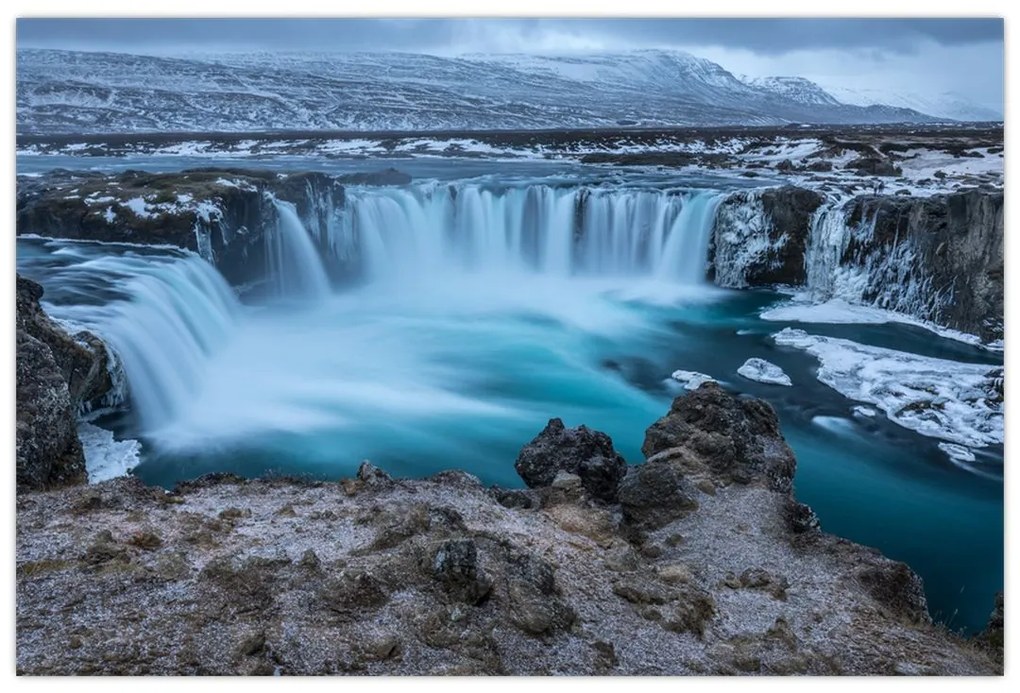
(839,162)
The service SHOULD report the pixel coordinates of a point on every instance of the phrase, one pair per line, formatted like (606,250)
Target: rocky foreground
(698,561)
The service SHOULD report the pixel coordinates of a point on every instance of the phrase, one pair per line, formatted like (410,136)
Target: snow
(691,380)
(139,207)
(400,92)
(109,215)
(105,457)
(837,311)
(934,397)
(764,371)
(919,164)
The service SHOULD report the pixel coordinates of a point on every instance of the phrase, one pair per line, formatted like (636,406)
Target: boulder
(455,566)
(654,494)
(588,454)
(737,439)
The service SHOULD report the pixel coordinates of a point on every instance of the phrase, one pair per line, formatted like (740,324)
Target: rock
(455,565)
(148,541)
(949,237)
(535,607)
(897,588)
(372,476)
(737,439)
(351,590)
(799,517)
(761,579)
(760,237)
(690,611)
(654,494)
(565,481)
(784,166)
(56,375)
(873,166)
(819,166)
(637,590)
(993,636)
(104,549)
(382,647)
(763,371)
(513,498)
(588,454)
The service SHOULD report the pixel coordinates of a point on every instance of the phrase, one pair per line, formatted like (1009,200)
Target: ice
(866,412)
(764,371)
(837,311)
(691,380)
(957,453)
(956,402)
(105,457)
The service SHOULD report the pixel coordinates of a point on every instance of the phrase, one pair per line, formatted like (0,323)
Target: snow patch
(140,207)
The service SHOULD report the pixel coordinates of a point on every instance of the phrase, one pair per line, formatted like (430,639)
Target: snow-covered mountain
(796,89)
(945,105)
(79,92)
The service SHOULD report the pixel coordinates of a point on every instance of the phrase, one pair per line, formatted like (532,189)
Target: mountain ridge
(69,92)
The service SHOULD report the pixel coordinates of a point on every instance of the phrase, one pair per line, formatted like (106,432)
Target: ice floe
(106,458)
(691,380)
(764,371)
(957,402)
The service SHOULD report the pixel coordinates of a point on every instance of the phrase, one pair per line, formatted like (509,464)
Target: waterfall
(163,316)
(295,267)
(559,231)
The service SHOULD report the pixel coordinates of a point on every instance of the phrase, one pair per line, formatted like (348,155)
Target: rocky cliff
(57,375)
(698,561)
(938,258)
(760,237)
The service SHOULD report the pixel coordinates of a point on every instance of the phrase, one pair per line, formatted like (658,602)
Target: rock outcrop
(57,375)
(588,454)
(939,258)
(760,237)
(705,564)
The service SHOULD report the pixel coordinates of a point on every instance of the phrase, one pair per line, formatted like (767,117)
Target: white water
(429,231)
(174,314)
(295,267)
(450,275)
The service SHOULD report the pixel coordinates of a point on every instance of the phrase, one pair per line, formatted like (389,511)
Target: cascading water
(295,266)
(165,317)
(554,231)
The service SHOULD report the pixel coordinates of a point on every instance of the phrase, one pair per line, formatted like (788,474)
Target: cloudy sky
(926,56)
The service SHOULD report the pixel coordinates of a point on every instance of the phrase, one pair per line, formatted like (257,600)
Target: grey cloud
(764,36)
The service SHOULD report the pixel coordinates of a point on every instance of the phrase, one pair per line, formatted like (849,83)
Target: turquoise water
(458,367)
(461,377)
